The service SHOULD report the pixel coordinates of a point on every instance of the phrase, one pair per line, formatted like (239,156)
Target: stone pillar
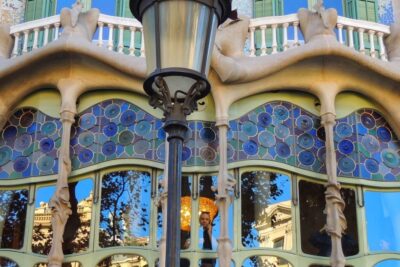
(59,203)
(224,196)
(335,220)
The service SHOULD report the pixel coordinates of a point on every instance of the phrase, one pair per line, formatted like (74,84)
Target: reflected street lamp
(179,39)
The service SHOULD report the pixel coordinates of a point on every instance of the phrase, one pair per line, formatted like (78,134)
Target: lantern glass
(186,32)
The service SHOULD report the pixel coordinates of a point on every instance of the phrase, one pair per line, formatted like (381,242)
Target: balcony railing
(267,35)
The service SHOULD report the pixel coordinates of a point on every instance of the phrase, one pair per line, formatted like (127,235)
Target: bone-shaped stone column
(334,205)
(224,196)
(59,203)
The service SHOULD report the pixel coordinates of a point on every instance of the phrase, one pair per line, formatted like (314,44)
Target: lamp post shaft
(176,129)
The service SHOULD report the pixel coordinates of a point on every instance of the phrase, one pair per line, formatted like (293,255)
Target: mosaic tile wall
(29,144)
(278,131)
(116,129)
(367,147)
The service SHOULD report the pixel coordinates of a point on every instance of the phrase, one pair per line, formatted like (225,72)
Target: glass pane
(266,210)
(265,261)
(184,263)
(13,205)
(77,229)
(388,263)
(125,260)
(312,220)
(382,218)
(186,212)
(211,262)
(7,262)
(208,212)
(64,264)
(125,209)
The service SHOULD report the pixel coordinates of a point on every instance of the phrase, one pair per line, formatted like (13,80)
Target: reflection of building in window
(42,232)
(123,261)
(275,226)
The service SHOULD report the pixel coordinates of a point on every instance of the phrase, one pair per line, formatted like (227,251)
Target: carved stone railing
(279,33)
(363,32)
(34,34)
(267,35)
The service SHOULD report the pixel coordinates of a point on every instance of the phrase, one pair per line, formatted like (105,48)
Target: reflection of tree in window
(12,218)
(125,209)
(312,220)
(76,234)
(4,262)
(266,209)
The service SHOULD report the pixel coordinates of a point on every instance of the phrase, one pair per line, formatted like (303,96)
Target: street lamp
(179,39)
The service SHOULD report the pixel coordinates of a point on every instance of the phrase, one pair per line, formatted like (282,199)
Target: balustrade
(267,35)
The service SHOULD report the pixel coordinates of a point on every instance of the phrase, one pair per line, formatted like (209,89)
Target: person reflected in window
(208,242)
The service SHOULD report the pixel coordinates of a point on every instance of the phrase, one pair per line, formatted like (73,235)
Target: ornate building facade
(295,154)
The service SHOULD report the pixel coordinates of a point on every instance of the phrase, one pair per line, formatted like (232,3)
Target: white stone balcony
(267,35)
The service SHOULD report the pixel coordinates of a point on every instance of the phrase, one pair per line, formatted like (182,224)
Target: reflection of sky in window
(138,201)
(389,263)
(383,220)
(82,191)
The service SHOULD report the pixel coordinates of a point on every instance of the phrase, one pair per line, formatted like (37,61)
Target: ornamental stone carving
(228,46)
(319,22)
(78,23)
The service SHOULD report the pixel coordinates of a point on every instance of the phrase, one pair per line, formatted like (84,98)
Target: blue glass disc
(249,128)
(112,111)
(128,118)
(264,119)
(367,120)
(23,142)
(186,152)
(143,128)
(110,129)
(306,157)
(5,155)
(48,128)
(282,131)
(384,134)
(370,143)
(250,147)
(281,113)
(346,147)
(266,139)
(344,130)
(304,123)
(20,164)
(372,165)
(346,165)
(109,148)
(283,150)
(390,158)
(141,147)
(125,138)
(45,163)
(46,145)
(87,121)
(10,133)
(85,155)
(306,141)
(207,134)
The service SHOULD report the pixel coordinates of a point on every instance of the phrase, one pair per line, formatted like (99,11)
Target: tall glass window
(382,212)
(13,206)
(125,209)
(266,210)
(314,240)
(77,230)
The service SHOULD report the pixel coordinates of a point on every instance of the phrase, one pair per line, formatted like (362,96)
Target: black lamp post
(179,39)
